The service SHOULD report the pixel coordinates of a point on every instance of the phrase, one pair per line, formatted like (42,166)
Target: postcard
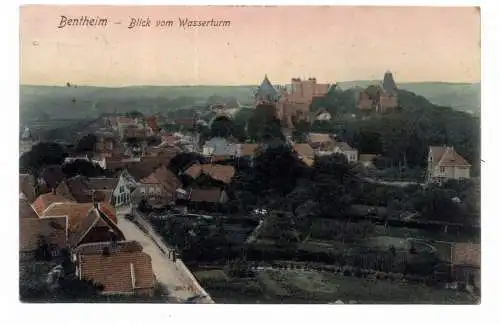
(250,155)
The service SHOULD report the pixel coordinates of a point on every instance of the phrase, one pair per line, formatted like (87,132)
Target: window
(441,170)
(122,189)
(143,190)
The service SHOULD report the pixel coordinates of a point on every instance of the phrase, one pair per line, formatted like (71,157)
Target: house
(444,163)
(319,140)
(220,173)
(345,149)
(220,149)
(87,222)
(28,187)
(87,189)
(106,146)
(43,201)
(42,238)
(206,198)
(160,185)
(121,193)
(121,267)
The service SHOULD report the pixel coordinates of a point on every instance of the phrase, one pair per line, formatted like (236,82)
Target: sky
(332,44)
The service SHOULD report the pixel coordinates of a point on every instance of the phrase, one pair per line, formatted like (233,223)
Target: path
(165,270)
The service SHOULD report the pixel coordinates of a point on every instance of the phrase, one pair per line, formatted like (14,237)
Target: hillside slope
(42,102)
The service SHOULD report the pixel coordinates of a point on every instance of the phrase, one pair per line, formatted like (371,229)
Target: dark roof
(142,169)
(83,216)
(266,91)
(83,190)
(97,248)
(389,84)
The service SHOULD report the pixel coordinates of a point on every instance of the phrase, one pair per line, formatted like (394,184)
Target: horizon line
(235,85)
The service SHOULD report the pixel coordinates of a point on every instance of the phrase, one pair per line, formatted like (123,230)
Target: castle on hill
(292,103)
(381,98)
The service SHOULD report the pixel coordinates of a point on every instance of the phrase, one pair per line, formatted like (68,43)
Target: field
(296,286)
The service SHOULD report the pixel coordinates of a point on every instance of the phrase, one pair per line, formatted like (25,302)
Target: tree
(437,204)
(222,127)
(41,155)
(134,114)
(183,161)
(86,143)
(263,126)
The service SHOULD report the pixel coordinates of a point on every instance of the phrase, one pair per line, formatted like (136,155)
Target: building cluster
(77,215)
(292,103)
(381,98)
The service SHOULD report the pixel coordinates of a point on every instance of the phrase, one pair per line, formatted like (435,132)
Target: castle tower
(388,84)
(266,92)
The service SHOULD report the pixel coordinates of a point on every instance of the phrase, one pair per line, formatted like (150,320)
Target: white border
(135,314)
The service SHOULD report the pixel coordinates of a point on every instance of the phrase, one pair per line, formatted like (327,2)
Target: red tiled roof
(303,149)
(119,271)
(81,217)
(446,157)
(163,176)
(451,158)
(52,230)
(222,173)
(320,137)
(45,200)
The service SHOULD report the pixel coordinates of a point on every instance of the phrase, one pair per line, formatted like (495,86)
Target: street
(165,270)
